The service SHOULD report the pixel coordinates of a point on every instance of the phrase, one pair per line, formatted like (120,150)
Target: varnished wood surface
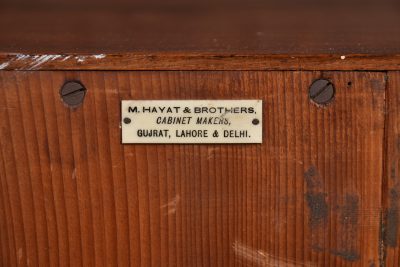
(200,35)
(391,192)
(309,195)
(195,61)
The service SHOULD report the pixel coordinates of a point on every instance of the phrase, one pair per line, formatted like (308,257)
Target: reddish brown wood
(195,61)
(200,35)
(309,195)
(391,189)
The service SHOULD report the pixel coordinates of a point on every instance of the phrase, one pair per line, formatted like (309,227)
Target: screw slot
(127,120)
(322,92)
(255,121)
(73,94)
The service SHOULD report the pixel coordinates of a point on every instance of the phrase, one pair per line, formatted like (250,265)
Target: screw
(322,92)
(255,121)
(73,93)
(127,120)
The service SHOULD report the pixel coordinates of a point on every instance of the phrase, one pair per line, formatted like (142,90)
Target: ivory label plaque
(191,121)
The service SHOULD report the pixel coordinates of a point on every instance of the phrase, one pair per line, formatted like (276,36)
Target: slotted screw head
(322,91)
(73,94)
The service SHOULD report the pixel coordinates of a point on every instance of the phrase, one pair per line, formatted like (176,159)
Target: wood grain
(196,61)
(309,195)
(200,35)
(391,189)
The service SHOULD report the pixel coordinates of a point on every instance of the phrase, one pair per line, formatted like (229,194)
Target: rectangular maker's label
(191,121)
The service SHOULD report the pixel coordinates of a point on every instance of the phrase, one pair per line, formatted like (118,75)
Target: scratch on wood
(22,57)
(80,58)
(171,206)
(100,56)
(42,60)
(66,58)
(261,258)
(4,65)
(35,62)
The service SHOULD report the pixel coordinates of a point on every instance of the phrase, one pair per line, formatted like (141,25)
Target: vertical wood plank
(391,200)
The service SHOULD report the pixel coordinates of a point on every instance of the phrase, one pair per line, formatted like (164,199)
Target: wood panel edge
(197,61)
(390,226)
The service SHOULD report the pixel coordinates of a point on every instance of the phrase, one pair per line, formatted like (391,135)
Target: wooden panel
(72,195)
(230,26)
(391,189)
(197,35)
